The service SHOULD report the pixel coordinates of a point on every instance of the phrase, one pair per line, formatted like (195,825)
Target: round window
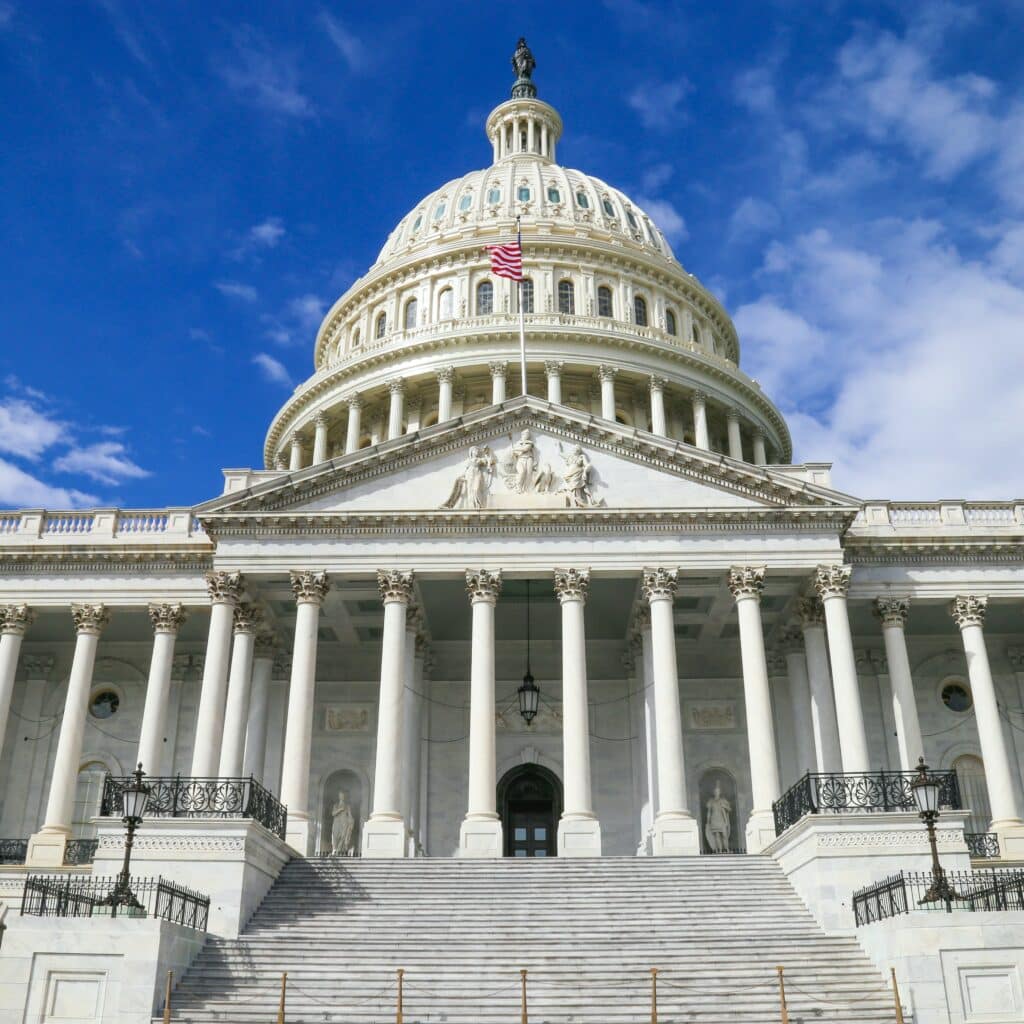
(957,697)
(104,704)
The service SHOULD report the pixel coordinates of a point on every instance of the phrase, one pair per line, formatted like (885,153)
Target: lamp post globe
(134,797)
(926,791)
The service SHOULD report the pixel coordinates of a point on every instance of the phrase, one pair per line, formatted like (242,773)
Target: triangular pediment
(527,455)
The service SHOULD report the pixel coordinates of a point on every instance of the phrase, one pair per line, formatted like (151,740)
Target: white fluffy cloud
(659,104)
(273,369)
(106,462)
(237,290)
(667,217)
(26,430)
(19,489)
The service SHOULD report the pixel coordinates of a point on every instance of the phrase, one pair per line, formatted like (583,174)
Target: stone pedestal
(384,837)
(233,861)
(1011,840)
(300,835)
(579,837)
(676,835)
(46,848)
(760,831)
(481,837)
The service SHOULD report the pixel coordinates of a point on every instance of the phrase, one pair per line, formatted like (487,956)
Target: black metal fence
(983,845)
(183,797)
(13,851)
(973,891)
(74,896)
(871,792)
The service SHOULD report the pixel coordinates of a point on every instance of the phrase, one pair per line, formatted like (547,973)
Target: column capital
(89,618)
(659,584)
(247,618)
(280,462)
(553,367)
(812,611)
(775,662)
(572,584)
(732,414)
(498,367)
(657,384)
(871,661)
(700,397)
(282,665)
(790,640)
(641,619)
(296,438)
(309,587)
(892,611)
(167,618)
(483,585)
(320,419)
(224,587)
(445,374)
(15,619)
(760,432)
(354,401)
(747,581)
(395,585)
(968,610)
(38,666)
(832,580)
(605,372)
(266,643)
(396,385)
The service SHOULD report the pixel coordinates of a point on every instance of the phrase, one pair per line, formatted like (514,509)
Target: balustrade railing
(13,851)
(871,792)
(184,797)
(903,893)
(75,896)
(982,845)
(80,851)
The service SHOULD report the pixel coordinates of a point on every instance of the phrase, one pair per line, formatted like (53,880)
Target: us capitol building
(607,617)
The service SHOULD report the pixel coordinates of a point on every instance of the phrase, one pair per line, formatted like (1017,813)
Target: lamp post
(926,795)
(134,797)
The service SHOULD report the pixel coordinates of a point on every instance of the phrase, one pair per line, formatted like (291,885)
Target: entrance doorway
(530,802)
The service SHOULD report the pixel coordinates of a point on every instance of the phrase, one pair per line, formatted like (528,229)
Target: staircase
(588,932)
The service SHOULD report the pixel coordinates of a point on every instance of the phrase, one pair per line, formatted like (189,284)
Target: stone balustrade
(99,525)
(884,518)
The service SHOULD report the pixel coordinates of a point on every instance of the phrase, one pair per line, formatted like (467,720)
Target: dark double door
(530,801)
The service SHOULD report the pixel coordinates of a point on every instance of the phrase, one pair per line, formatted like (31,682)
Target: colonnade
(231,730)
(309,445)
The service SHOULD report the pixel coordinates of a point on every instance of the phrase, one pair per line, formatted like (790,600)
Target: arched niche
(334,823)
(713,812)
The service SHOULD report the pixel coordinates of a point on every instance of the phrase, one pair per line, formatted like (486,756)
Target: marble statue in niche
(473,484)
(342,805)
(718,801)
(343,827)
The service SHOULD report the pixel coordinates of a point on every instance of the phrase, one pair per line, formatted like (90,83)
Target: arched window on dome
(382,325)
(604,301)
(355,337)
(695,333)
(640,311)
(566,297)
(609,210)
(446,304)
(466,202)
(484,298)
(671,324)
(527,294)
(582,201)
(409,320)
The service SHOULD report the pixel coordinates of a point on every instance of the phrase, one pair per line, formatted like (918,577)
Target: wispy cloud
(125,31)
(659,103)
(273,369)
(298,322)
(351,48)
(19,489)
(26,430)
(259,75)
(106,462)
(265,235)
(237,290)
(753,217)
(667,217)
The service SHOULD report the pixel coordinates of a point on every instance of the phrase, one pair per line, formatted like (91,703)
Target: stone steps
(587,932)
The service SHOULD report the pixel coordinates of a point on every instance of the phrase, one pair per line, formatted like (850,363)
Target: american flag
(507,260)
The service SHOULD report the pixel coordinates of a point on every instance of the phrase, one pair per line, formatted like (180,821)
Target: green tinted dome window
(466,201)
(494,196)
(417,222)
(631,219)
(608,208)
(524,193)
(439,212)
(582,201)
(554,196)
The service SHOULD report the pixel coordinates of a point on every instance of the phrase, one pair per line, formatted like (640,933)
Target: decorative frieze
(711,715)
(746,581)
(572,584)
(309,587)
(348,717)
(483,585)
(892,611)
(395,585)
(832,580)
(224,587)
(659,585)
(811,611)
(968,610)
(89,619)
(15,619)
(167,618)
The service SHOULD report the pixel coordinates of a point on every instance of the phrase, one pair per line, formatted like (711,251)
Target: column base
(299,835)
(1011,838)
(579,837)
(760,831)
(675,834)
(46,848)
(384,837)
(481,837)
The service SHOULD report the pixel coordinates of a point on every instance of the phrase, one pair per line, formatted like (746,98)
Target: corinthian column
(553,372)
(384,832)
(675,829)
(481,833)
(893,615)
(579,831)
(310,589)
(46,847)
(746,584)
(499,376)
(732,422)
(236,716)
(968,612)
(14,621)
(607,374)
(700,421)
(254,763)
(396,410)
(167,619)
(445,381)
(320,439)
(657,389)
(792,645)
(352,429)
(225,592)
(832,582)
(823,702)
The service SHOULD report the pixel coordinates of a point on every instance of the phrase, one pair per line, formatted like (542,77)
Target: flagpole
(522,318)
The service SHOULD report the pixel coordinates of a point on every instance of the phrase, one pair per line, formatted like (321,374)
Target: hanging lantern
(529,698)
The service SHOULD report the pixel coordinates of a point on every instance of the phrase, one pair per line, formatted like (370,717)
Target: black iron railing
(974,891)
(982,845)
(74,896)
(183,797)
(13,851)
(871,792)
(80,851)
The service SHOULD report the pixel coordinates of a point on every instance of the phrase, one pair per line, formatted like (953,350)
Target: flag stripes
(507,260)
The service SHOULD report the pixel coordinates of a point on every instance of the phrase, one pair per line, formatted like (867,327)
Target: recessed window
(554,196)
(695,333)
(484,298)
(606,203)
(104,704)
(582,201)
(566,297)
(445,304)
(524,193)
(640,311)
(410,314)
(494,196)
(382,325)
(604,301)
(527,293)
(957,697)
(416,223)
(670,322)
(355,338)
(466,201)
(439,212)
(632,220)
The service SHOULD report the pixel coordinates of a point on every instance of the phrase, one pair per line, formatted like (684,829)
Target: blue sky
(186,187)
